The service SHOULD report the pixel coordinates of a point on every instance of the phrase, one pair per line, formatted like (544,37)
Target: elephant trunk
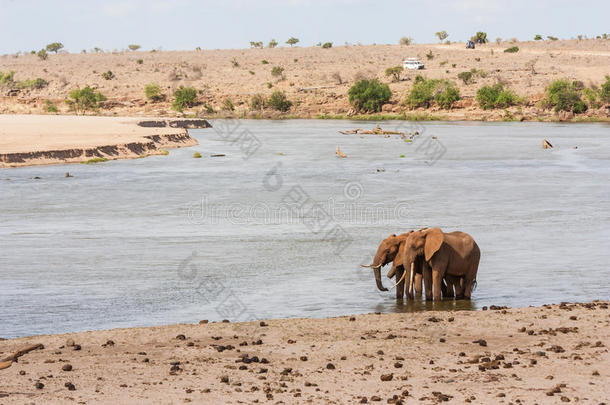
(380,286)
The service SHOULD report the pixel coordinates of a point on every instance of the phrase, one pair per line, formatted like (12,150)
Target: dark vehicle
(470,45)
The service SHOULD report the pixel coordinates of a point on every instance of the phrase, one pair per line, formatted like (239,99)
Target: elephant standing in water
(451,255)
(389,250)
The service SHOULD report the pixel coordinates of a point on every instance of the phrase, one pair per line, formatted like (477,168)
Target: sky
(27,25)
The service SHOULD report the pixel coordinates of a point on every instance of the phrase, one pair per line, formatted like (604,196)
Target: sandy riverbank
(549,354)
(47,139)
(315,79)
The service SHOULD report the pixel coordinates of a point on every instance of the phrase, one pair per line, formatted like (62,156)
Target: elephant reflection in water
(446,263)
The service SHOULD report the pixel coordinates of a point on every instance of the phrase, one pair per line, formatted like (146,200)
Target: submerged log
(546,144)
(339,153)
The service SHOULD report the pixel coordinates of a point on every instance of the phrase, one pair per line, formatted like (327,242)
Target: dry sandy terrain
(549,354)
(311,76)
(45,139)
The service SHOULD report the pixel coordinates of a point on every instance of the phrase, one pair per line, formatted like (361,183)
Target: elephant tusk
(404,273)
(411,278)
(371,266)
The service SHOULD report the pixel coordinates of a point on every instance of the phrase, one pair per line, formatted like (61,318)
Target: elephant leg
(453,285)
(437,280)
(427,276)
(458,283)
(400,288)
(444,288)
(418,284)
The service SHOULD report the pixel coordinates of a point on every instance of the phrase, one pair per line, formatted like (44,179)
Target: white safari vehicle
(412,64)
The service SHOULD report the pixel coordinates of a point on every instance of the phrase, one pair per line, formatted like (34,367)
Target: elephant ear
(434,240)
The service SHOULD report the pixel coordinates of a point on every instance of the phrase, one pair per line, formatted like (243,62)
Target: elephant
(452,256)
(389,250)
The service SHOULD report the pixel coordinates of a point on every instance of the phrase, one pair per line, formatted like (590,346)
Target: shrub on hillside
(277,71)
(496,96)
(42,54)
(7,78)
(512,49)
(405,41)
(36,84)
(278,101)
(604,93)
(108,75)
(466,77)
(85,99)
(369,95)
(184,97)
(395,72)
(257,102)
(479,38)
(153,92)
(54,47)
(426,91)
(133,47)
(564,95)
(327,45)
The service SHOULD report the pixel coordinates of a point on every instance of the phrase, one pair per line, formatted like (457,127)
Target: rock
(481,342)
(181,337)
(39,385)
(330,366)
(224,379)
(203,322)
(70,386)
(67,367)
(303,358)
(387,377)
(262,323)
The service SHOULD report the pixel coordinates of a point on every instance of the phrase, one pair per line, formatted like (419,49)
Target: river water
(279,225)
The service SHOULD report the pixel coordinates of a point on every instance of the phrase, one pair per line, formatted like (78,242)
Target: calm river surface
(171,239)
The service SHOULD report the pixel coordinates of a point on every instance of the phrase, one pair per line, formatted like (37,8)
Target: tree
(292,41)
(54,47)
(480,38)
(369,95)
(604,93)
(85,99)
(395,72)
(272,43)
(442,35)
(278,101)
(538,37)
(277,71)
(327,45)
(256,44)
(133,47)
(564,95)
(405,41)
(184,97)
(42,54)
(153,92)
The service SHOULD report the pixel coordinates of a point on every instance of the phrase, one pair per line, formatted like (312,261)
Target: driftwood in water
(8,361)
(339,153)
(376,131)
(546,144)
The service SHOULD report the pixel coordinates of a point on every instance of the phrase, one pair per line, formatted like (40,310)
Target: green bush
(197,155)
(184,97)
(512,49)
(133,47)
(604,93)
(278,101)
(272,43)
(479,38)
(369,95)
(50,107)
(37,84)
(140,61)
(405,41)
(496,96)
(327,45)
(265,62)
(7,78)
(564,95)
(85,99)
(425,91)
(292,41)
(538,37)
(153,92)
(395,72)
(466,77)
(592,96)
(54,47)
(108,75)
(42,54)
(227,104)
(277,71)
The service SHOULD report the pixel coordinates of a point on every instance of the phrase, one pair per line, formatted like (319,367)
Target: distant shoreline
(530,354)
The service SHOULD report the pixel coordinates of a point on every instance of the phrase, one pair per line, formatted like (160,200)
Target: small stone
(203,322)
(67,367)
(226,321)
(595,373)
(70,386)
(375,398)
(21,372)
(352,319)
(565,399)
(387,377)
(262,323)
(442,340)
(69,342)
(398,365)
(481,342)
(224,379)
(573,318)
(303,358)
(181,337)
(330,366)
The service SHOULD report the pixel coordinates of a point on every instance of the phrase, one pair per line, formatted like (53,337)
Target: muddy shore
(548,354)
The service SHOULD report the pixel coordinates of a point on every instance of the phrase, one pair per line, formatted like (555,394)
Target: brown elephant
(453,256)
(389,250)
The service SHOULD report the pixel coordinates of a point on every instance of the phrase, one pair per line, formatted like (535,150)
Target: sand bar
(47,139)
(549,354)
